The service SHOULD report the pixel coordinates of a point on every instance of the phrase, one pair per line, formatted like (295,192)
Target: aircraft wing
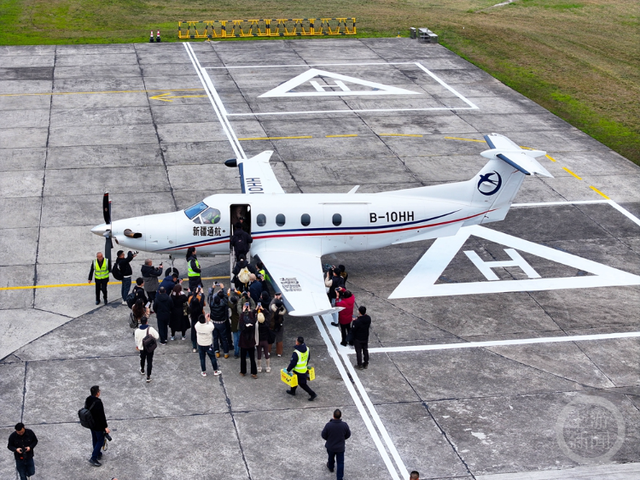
(256,175)
(300,279)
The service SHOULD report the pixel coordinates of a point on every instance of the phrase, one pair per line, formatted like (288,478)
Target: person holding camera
(150,275)
(21,443)
(100,429)
(247,341)
(124,265)
(333,281)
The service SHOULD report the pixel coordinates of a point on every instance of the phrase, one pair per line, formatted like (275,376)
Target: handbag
(133,323)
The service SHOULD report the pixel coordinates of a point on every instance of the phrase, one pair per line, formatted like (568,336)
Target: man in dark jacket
(124,265)
(170,281)
(94,405)
(335,433)
(240,241)
(21,443)
(163,306)
(220,319)
(150,275)
(360,332)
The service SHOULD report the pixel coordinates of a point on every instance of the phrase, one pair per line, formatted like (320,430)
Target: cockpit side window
(210,216)
(194,210)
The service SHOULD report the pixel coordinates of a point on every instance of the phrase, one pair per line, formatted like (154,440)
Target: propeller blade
(108,246)
(106,208)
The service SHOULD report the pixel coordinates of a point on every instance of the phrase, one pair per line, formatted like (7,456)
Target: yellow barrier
(266,27)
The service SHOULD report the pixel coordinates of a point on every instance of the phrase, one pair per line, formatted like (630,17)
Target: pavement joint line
(276,138)
(502,343)
(338,359)
(342,136)
(400,135)
(66,285)
(319,112)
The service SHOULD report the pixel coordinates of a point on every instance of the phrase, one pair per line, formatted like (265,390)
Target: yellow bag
(291,380)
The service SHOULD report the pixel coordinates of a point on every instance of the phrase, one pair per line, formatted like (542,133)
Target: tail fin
(498,182)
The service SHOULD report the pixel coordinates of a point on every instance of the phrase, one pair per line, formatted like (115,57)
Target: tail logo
(489,183)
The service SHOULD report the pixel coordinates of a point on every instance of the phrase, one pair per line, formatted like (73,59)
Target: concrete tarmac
(517,377)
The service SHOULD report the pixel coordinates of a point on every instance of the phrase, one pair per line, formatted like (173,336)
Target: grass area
(579,59)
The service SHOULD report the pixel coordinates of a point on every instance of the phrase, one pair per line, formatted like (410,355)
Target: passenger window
(261,220)
(280,219)
(305,219)
(337,219)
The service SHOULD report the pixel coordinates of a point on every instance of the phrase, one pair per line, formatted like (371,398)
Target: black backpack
(86,418)
(149,342)
(116,272)
(131,298)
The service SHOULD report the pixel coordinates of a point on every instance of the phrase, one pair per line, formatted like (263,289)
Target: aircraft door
(240,213)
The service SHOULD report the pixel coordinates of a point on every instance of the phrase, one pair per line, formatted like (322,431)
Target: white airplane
(291,232)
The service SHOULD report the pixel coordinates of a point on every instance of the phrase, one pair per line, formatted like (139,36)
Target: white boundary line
(360,406)
(306,65)
(501,343)
(216,102)
(451,89)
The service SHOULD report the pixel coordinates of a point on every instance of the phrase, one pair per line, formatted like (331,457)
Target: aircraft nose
(100,230)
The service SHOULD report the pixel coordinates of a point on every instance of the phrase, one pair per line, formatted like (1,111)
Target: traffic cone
(158,37)
(151,37)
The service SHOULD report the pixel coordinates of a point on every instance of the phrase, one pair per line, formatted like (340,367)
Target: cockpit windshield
(194,210)
(201,214)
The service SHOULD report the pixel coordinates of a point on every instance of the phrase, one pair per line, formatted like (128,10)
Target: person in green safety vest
(298,364)
(100,269)
(193,269)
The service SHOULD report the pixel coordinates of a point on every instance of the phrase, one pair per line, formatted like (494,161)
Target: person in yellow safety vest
(298,364)
(100,268)
(193,269)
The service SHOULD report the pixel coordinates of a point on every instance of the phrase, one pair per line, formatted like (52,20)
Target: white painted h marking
(321,88)
(516,261)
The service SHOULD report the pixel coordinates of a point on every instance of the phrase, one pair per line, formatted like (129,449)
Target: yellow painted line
(167,97)
(465,139)
(340,136)
(66,285)
(569,171)
(94,93)
(550,158)
(598,191)
(276,138)
(399,135)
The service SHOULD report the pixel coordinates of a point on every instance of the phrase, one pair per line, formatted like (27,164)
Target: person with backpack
(240,241)
(278,311)
(93,403)
(146,342)
(242,273)
(122,271)
(196,304)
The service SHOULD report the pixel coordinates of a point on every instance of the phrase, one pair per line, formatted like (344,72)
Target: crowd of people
(244,319)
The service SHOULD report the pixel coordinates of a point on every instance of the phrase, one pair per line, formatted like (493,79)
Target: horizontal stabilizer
(523,160)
